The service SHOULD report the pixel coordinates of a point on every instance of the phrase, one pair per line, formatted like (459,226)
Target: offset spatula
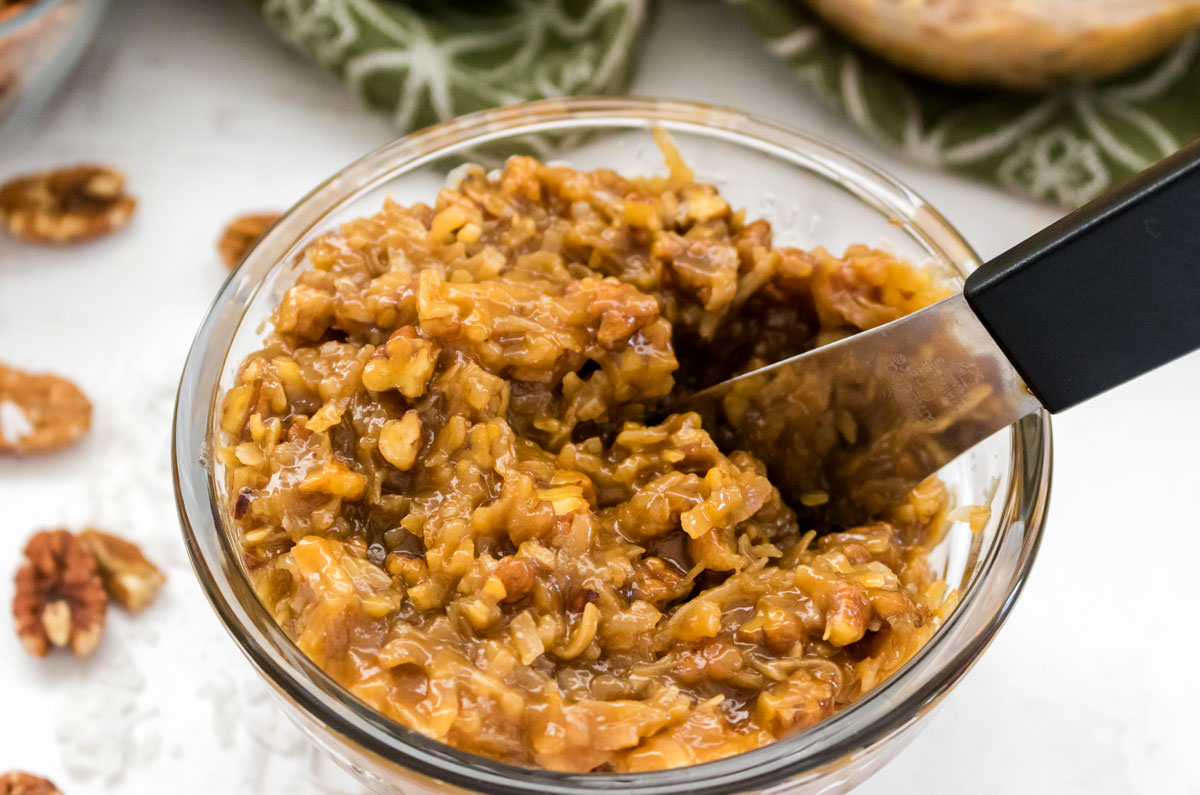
(1106,294)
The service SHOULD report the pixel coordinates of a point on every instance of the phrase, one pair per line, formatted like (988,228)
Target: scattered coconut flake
(279,752)
(102,728)
(223,697)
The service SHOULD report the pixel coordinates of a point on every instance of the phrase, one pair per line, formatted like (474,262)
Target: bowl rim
(890,706)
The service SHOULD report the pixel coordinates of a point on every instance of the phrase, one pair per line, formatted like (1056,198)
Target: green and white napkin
(427,61)
(422,61)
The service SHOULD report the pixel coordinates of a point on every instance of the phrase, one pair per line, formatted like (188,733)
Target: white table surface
(1090,688)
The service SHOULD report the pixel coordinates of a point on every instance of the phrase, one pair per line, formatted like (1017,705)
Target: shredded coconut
(279,753)
(103,727)
(222,694)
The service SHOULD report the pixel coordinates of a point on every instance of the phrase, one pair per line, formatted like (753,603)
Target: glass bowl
(39,44)
(813,194)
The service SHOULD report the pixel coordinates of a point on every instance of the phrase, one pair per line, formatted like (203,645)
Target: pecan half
(59,598)
(129,579)
(66,205)
(17,782)
(241,234)
(40,413)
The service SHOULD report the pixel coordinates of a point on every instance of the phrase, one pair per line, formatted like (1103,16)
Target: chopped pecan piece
(59,598)
(241,234)
(17,782)
(517,575)
(40,413)
(129,579)
(795,703)
(242,504)
(847,614)
(400,440)
(66,205)
(654,581)
(716,659)
(405,363)
(582,598)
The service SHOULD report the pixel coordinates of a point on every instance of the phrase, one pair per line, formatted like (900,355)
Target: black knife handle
(1106,294)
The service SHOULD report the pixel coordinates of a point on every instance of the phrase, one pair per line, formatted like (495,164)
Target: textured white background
(1090,688)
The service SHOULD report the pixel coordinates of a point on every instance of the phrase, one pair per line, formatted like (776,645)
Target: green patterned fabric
(431,60)
(426,60)
(1067,147)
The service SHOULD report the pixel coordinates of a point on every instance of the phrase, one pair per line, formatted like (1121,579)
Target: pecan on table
(129,578)
(241,234)
(60,599)
(17,782)
(40,413)
(66,205)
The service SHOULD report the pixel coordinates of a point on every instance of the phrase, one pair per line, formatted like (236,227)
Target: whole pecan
(66,205)
(59,599)
(241,234)
(40,413)
(17,782)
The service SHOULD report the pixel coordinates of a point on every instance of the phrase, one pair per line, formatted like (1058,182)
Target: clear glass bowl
(39,45)
(813,194)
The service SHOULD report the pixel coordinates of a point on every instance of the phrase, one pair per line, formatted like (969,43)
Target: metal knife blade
(849,428)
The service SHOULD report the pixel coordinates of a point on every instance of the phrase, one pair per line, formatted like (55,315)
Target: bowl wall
(38,48)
